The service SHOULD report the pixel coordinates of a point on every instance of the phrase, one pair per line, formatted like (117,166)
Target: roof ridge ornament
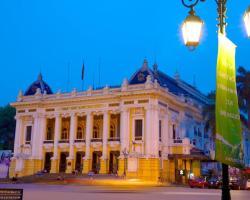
(20,95)
(155,67)
(177,76)
(125,84)
(149,82)
(40,77)
(145,65)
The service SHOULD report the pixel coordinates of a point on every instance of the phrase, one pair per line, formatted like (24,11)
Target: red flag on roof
(82,70)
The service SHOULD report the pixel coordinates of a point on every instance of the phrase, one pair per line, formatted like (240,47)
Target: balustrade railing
(48,141)
(63,141)
(96,140)
(79,140)
(114,139)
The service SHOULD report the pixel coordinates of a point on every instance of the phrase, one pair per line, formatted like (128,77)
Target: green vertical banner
(228,144)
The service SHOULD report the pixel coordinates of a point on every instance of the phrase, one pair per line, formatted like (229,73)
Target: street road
(76,192)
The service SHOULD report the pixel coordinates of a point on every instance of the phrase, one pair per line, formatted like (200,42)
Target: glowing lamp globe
(247,21)
(192,30)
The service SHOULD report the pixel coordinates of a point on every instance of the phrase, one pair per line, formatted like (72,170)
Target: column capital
(106,112)
(58,115)
(81,114)
(114,111)
(73,114)
(89,112)
(98,112)
(39,115)
(124,109)
(18,117)
(50,116)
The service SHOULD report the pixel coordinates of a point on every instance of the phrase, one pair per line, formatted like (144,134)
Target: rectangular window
(50,129)
(195,131)
(174,131)
(160,130)
(97,126)
(138,129)
(199,132)
(81,123)
(65,128)
(28,134)
(114,129)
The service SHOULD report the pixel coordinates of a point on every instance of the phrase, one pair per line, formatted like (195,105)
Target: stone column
(18,135)
(42,134)
(38,164)
(182,126)
(148,131)
(150,167)
(35,136)
(104,167)
(124,136)
(17,164)
(155,133)
(73,128)
(54,163)
(124,129)
(165,131)
(202,127)
(86,162)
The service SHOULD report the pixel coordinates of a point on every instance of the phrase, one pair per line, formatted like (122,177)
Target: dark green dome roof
(39,83)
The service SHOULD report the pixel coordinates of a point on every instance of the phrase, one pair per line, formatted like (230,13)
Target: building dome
(38,84)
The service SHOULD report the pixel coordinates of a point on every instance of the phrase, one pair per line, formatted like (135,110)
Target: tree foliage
(7,127)
(209,113)
(243,90)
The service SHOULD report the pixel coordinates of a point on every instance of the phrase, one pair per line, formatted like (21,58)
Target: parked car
(234,183)
(198,182)
(215,182)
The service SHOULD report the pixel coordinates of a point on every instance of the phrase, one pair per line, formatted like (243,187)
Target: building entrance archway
(63,161)
(96,161)
(113,161)
(79,161)
(47,162)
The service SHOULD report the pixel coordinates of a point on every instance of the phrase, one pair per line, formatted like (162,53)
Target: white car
(248,184)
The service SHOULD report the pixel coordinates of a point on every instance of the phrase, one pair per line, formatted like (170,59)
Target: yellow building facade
(150,127)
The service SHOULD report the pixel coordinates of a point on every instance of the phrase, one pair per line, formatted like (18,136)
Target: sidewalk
(95,180)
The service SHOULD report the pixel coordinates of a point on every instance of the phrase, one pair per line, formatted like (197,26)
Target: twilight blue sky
(50,35)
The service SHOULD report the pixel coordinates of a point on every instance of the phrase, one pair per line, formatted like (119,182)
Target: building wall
(147,158)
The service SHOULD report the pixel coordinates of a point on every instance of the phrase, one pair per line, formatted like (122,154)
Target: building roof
(38,84)
(174,85)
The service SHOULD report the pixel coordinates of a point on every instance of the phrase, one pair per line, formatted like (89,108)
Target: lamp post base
(225,183)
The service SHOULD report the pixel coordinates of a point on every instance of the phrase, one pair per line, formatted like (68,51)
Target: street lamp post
(191,31)
(192,27)
(125,154)
(247,21)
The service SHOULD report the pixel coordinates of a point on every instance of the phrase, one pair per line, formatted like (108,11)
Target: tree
(7,127)
(209,114)
(243,89)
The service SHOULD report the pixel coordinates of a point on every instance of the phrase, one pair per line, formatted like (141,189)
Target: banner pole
(225,183)
(222,29)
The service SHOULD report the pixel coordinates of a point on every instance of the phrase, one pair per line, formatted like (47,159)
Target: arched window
(79,134)
(49,134)
(96,132)
(65,134)
(50,129)
(112,131)
(174,131)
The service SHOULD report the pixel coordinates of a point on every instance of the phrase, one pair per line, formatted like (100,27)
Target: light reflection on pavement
(76,192)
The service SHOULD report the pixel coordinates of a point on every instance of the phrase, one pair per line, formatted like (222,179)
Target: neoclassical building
(150,126)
